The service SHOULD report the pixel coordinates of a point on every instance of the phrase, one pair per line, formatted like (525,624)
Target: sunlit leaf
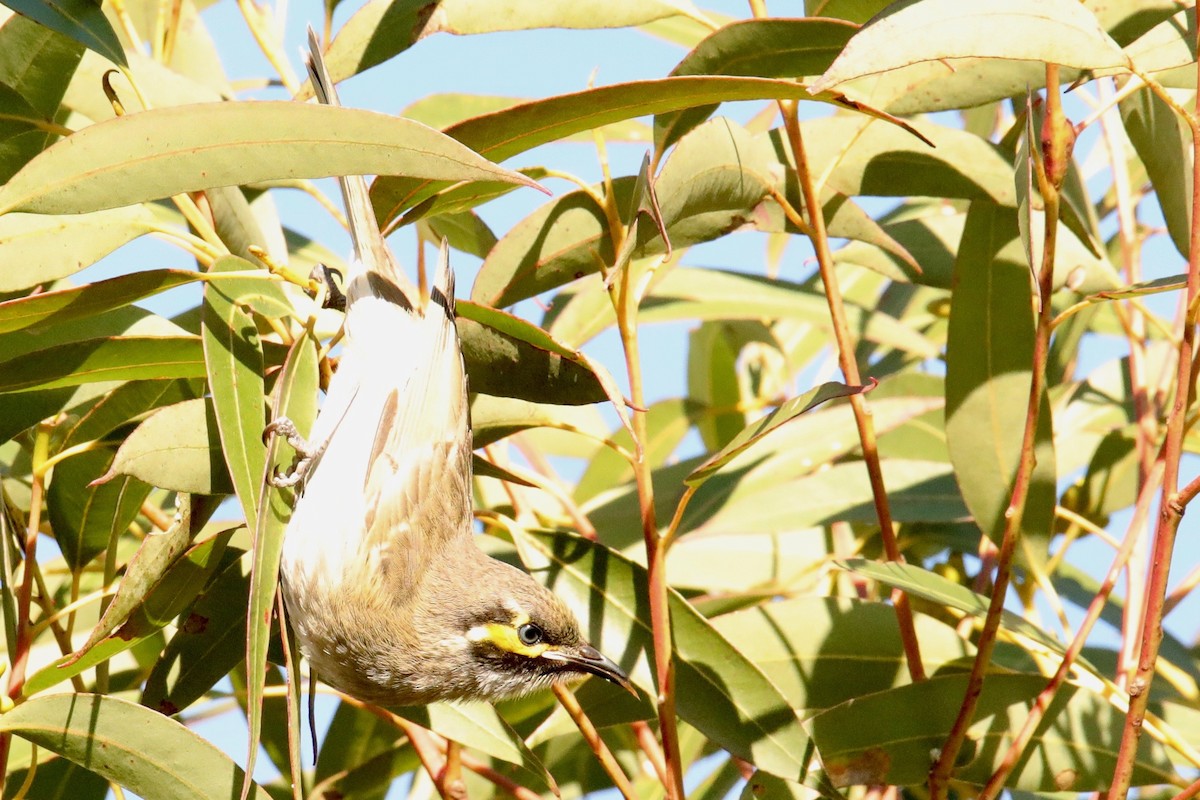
(133,746)
(886,738)
(166,151)
(911,31)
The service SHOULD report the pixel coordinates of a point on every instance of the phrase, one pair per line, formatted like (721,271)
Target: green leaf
(864,156)
(509,357)
(208,644)
(354,737)
(166,151)
(1163,144)
(85,518)
(441,110)
(988,361)
(821,651)
(177,448)
(608,593)
(480,727)
(164,602)
(115,358)
(764,48)
(667,423)
(937,589)
(382,29)
(139,749)
(234,361)
(760,428)
(38,63)
(145,570)
(57,779)
(494,418)
(296,399)
(506,133)
(712,380)
(80,20)
(465,231)
(886,738)
(64,305)
(704,294)
(124,403)
(912,31)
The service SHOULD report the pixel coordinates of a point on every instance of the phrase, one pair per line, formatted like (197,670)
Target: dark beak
(586,658)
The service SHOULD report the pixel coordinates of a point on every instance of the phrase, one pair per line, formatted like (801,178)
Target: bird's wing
(393,480)
(418,485)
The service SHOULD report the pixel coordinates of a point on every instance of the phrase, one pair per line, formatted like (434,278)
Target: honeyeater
(391,599)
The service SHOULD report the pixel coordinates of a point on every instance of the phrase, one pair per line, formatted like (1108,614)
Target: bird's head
(525,638)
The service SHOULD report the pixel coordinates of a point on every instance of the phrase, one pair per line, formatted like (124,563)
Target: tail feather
(371,254)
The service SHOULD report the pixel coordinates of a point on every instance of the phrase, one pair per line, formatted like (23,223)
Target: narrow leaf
(886,738)
(607,592)
(80,20)
(177,448)
(114,358)
(296,399)
(910,31)
(64,305)
(139,749)
(234,363)
(167,151)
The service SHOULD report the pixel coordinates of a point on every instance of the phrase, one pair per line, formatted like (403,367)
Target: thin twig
(1170,509)
(592,736)
(1034,719)
(849,366)
(1050,172)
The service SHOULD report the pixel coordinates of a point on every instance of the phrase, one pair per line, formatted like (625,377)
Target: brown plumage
(390,597)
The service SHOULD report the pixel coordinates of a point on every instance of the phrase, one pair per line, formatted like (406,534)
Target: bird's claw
(303,459)
(332,296)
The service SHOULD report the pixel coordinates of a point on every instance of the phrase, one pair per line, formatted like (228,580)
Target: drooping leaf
(295,399)
(115,358)
(382,29)
(713,383)
(989,356)
(155,555)
(178,448)
(79,20)
(757,430)
(86,518)
(166,151)
(509,357)
(207,645)
(160,606)
(608,593)
(1163,144)
(912,31)
(133,746)
(64,305)
(233,360)
(886,738)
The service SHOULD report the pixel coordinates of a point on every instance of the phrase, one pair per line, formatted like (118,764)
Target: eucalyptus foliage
(955,358)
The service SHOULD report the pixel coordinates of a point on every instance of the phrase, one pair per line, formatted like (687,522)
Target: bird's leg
(303,459)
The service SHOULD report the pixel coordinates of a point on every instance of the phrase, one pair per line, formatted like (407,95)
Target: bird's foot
(332,297)
(303,459)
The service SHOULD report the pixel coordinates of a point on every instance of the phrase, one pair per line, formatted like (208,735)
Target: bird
(389,595)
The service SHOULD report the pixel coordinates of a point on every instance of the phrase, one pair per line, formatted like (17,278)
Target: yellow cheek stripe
(505,638)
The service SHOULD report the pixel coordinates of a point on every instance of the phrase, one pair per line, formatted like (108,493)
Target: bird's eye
(529,634)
